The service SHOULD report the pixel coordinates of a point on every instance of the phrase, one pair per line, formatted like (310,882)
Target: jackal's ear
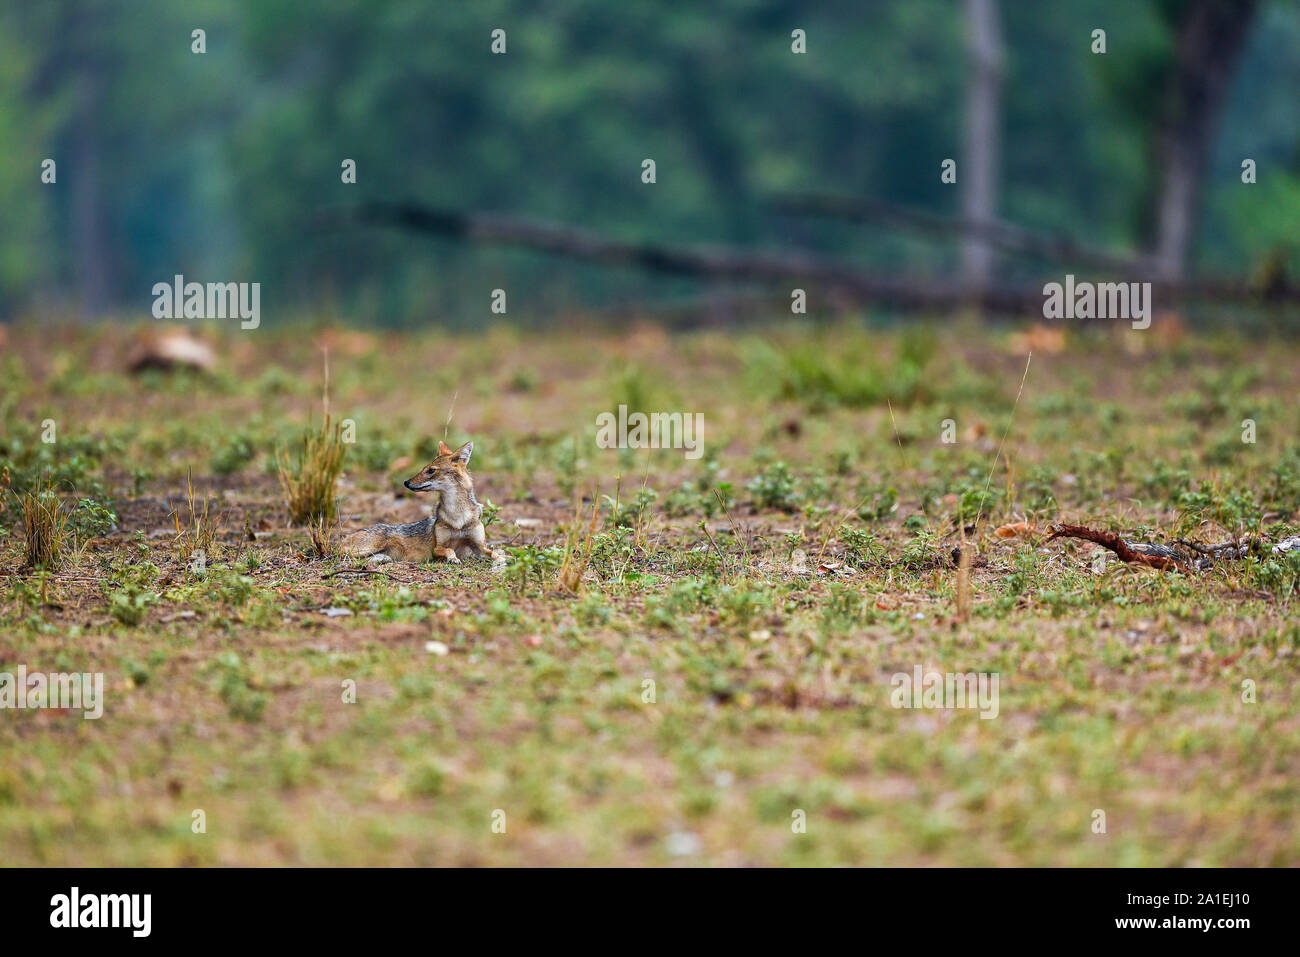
(463,453)
(442,449)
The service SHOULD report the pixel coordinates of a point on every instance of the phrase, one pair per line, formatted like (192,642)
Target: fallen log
(1055,247)
(730,264)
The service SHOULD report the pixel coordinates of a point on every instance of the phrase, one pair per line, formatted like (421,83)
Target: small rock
(437,648)
(170,348)
(682,844)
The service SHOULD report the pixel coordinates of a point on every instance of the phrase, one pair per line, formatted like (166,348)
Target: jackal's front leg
(446,554)
(478,542)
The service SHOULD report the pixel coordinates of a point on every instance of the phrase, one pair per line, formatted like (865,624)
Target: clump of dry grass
(577,550)
(198,532)
(46,538)
(309,482)
(322,536)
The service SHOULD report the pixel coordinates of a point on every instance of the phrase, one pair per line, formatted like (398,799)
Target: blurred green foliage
(218,165)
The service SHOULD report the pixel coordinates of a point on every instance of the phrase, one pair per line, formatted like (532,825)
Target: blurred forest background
(218,166)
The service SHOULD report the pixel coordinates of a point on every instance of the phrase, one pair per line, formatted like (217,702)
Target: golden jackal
(453,530)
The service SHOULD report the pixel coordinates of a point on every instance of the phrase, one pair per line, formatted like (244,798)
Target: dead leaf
(1038,338)
(1015,530)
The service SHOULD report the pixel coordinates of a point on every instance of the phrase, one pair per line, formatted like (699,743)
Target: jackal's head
(445,473)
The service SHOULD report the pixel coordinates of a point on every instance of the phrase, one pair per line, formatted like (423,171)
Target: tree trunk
(89,242)
(1210,41)
(979,170)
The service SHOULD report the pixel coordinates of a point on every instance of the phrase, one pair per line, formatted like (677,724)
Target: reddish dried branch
(1121,548)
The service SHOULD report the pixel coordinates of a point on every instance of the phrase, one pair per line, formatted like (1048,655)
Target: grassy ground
(770,633)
